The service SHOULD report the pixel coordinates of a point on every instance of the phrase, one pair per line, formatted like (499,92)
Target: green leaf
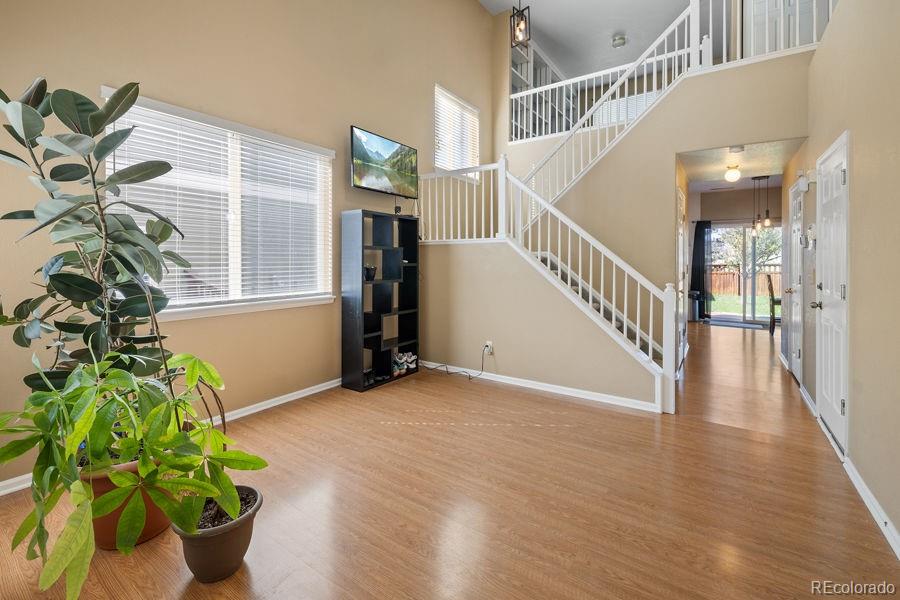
(110,501)
(19,337)
(25,121)
(18,214)
(69,172)
(150,211)
(47,204)
(177,259)
(137,306)
(57,378)
(77,571)
(116,106)
(68,144)
(101,429)
(74,110)
(13,160)
(195,370)
(228,497)
(30,521)
(81,428)
(131,523)
(237,459)
(67,327)
(138,173)
(12,132)
(18,447)
(176,511)
(72,541)
(35,93)
(3,97)
(51,154)
(110,142)
(123,478)
(76,287)
(33,329)
(177,485)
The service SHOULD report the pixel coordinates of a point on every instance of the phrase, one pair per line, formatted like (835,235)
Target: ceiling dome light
(732,174)
(619,40)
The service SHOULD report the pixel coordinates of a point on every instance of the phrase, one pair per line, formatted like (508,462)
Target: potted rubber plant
(118,425)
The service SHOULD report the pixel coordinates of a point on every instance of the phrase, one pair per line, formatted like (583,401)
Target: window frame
(467,105)
(178,313)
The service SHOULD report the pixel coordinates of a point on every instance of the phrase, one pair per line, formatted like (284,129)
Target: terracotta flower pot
(216,553)
(105,526)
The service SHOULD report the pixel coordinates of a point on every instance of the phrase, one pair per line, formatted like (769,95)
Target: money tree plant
(108,391)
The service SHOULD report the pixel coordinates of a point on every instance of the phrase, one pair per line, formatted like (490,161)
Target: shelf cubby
(379,317)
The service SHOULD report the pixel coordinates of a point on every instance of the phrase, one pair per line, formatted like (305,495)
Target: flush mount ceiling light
(520,25)
(619,40)
(732,174)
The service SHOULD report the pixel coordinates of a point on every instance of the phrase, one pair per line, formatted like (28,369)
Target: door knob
(815,305)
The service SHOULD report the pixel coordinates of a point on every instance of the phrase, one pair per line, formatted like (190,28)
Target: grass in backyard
(733,305)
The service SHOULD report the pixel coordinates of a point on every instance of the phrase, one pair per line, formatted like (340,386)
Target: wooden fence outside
(727,281)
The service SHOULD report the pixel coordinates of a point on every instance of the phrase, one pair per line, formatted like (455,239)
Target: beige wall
(472,293)
(854,86)
(306,70)
(733,205)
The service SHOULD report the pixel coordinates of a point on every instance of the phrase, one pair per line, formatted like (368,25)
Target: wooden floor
(435,487)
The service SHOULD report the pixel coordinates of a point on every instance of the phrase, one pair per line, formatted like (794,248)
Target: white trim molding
(182,313)
(642,405)
(23,481)
(810,403)
(884,522)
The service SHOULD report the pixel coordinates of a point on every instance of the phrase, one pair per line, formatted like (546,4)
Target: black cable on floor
(468,375)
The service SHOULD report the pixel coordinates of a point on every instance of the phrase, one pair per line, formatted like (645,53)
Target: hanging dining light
(753,223)
(520,25)
(768,221)
(757,181)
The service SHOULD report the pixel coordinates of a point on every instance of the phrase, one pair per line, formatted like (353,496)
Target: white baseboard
(881,518)
(15,484)
(784,361)
(810,404)
(556,389)
(233,415)
(23,481)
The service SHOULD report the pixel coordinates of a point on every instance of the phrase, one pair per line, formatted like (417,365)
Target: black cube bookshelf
(379,318)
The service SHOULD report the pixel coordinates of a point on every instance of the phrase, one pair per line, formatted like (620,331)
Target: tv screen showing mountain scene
(383,165)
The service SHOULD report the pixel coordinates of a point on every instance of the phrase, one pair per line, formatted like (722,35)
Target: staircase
(487,203)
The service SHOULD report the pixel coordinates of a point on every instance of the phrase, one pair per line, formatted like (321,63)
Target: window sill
(217,310)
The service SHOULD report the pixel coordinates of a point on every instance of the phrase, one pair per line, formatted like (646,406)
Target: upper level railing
(621,105)
(723,31)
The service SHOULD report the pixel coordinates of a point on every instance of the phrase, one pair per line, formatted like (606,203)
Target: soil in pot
(105,526)
(218,547)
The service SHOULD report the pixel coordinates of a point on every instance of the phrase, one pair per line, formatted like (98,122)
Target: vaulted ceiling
(577,34)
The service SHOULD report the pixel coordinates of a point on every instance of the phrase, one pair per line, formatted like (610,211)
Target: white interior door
(832,200)
(794,293)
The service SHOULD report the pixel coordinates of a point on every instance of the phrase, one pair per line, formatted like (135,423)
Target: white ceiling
(705,169)
(577,34)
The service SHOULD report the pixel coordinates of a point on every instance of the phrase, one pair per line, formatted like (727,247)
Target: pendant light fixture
(732,174)
(520,26)
(768,221)
(753,212)
(758,223)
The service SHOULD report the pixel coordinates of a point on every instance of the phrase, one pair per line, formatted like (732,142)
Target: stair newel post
(669,350)
(694,26)
(501,197)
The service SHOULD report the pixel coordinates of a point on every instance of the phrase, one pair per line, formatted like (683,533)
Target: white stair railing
(487,203)
(618,108)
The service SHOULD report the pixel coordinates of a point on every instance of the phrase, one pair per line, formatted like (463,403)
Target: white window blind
(256,214)
(456,143)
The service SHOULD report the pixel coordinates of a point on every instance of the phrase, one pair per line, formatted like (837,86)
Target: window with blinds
(255,212)
(455,132)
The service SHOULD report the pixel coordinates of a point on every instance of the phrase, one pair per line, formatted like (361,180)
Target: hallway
(733,376)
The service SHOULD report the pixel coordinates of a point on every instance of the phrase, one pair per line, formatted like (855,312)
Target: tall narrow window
(456,144)
(255,208)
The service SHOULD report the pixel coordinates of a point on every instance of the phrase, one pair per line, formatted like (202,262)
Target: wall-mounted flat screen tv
(383,165)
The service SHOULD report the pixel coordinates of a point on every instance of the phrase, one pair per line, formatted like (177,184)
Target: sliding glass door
(739,272)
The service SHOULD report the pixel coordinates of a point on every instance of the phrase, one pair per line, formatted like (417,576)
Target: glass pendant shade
(732,174)
(520,26)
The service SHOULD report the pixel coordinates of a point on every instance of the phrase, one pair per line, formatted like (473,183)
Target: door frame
(796,199)
(843,141)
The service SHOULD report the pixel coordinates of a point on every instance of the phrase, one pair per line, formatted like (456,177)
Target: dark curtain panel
(699,266)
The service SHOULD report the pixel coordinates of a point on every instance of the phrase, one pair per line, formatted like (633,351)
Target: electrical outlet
(490,347)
